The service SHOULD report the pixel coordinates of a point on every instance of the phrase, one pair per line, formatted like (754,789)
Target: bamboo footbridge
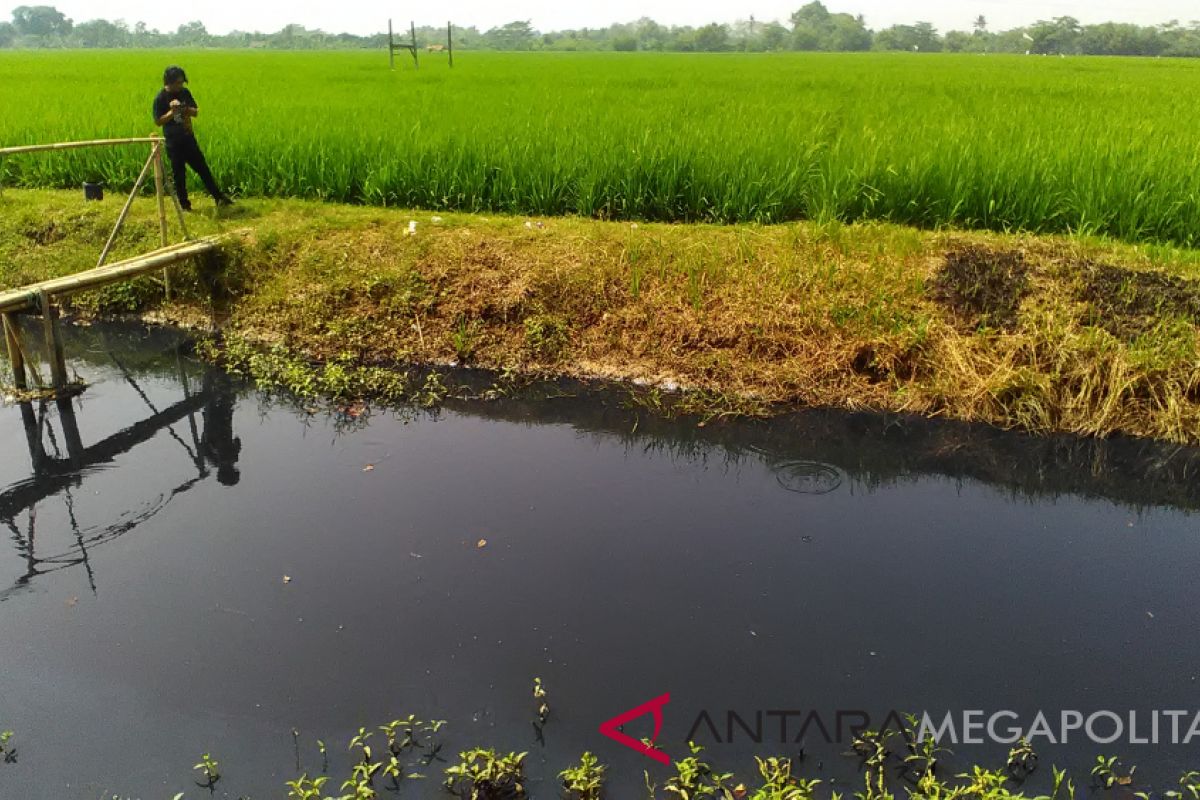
(40,297)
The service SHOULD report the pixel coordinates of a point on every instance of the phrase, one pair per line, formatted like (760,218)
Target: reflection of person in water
(217,443)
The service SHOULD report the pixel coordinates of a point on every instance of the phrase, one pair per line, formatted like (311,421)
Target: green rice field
(1090,145)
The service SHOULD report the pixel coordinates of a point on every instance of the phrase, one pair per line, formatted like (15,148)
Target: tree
(1117,39)
(922,37)
(517,35)
(980,24)
(8,34)
(928,40)
(100,33)
(194,34)
(958,41)
(814,28)
(1180,41)
(650,35)
(744,35)
(847,33)
(810,25)
(40,21)
(814,15)
(1059,35)
(625,43)
(774,36)
(712,38)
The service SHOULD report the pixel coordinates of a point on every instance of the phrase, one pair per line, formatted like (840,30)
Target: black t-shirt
(179,127)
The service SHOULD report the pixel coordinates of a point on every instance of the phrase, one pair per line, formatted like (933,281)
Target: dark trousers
(186,153)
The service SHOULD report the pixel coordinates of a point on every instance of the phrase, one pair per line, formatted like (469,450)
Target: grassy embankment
(1045,334)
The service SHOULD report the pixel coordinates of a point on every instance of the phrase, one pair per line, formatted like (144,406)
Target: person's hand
(175,104)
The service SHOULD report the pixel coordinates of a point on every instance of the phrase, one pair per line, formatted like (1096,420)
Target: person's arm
(163,118)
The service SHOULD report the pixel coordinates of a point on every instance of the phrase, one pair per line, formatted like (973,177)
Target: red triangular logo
(655,707)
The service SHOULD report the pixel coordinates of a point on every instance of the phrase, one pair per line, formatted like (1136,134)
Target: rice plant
(1092,145)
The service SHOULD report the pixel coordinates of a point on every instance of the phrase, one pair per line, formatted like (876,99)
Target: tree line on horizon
(811,28)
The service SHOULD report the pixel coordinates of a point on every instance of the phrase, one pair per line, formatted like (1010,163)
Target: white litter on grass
(412,228)
(435,220)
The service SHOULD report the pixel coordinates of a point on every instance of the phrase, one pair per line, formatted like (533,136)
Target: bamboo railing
(40,297)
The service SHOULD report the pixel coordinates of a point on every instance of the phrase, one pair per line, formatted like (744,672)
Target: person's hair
(172,74)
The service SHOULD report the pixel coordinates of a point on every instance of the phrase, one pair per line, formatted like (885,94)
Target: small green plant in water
(585,780)
(361,782)
(539,697)
(360,741)
(875,785)
(433,392)
(1022,760)
(6,750)
(1190,785)
(872,747)
(1061,780)
(696,778)
(209,768)
(923,751)
(485,775)
(779,783)
(1106,773)
(304,788)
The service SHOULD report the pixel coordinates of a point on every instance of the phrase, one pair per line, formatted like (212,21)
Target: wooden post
(156,154)
(450,43)
(412,27)
(112,237)
(54,348)
(12,338)
(391,47)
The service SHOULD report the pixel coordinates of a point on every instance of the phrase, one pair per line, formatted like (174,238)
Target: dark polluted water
(190,566)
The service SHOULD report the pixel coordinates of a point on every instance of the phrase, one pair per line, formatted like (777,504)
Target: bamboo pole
(450,43)
(391,47)
(54,347)
(412,27)
(26,298)
(12,338)
(39,148)
(156,156)
(112,237)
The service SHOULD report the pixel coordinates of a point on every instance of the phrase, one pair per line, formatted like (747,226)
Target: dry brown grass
(1014,331)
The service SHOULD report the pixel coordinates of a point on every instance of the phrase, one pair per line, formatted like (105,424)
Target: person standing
(174,110)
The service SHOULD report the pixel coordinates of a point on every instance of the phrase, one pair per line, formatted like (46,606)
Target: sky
(357,16)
